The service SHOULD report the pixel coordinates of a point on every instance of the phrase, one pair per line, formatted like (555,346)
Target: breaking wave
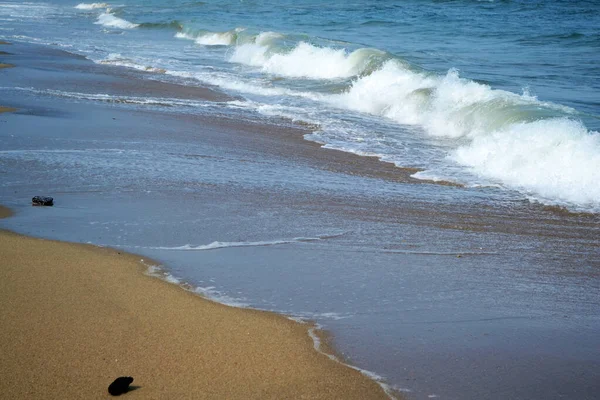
(536,147)
(211,38)
(91,6)
(305,60)
(110,21)
(512,140)
(267,51)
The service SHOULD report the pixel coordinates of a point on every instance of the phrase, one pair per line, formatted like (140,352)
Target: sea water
(480,93)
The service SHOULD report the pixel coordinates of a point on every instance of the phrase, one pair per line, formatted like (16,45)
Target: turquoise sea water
(482,93)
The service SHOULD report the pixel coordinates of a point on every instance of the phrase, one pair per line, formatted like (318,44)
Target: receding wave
(109,20)
(221,245)
(118,60)
(91,6)
(108,98)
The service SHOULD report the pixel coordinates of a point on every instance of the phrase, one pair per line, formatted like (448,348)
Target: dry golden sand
(74,317)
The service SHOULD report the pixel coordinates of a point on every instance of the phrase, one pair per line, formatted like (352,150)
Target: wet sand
(6,109)
(5,212)
(3,65)
(74,317)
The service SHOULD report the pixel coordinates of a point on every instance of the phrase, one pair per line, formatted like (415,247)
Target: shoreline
(264,354)
(331,159)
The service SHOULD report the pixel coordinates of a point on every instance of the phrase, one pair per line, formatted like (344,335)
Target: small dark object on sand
(42,201)
(120,385)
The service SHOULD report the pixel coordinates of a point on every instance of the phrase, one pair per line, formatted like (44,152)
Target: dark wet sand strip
(5,212)
(6,109)
(4,65)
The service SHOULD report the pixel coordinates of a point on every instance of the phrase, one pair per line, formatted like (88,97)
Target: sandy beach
(75,317)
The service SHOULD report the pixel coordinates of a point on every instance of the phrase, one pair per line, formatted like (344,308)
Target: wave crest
(305,60)
(109,20)
(517,140)
(211,38)
(91,6)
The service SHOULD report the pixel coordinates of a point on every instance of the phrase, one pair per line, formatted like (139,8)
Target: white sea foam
(216,39)
(109,20)
(212,38)
(221,245)
(119,60)
(499,135)
(308,316)
(304,60)
(209,292)
(212,293)
(555,160)
(389,390)
(91,6)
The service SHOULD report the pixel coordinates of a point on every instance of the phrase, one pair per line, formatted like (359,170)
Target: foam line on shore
(220,245)
(317,343)
(315,331)
(209,292)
